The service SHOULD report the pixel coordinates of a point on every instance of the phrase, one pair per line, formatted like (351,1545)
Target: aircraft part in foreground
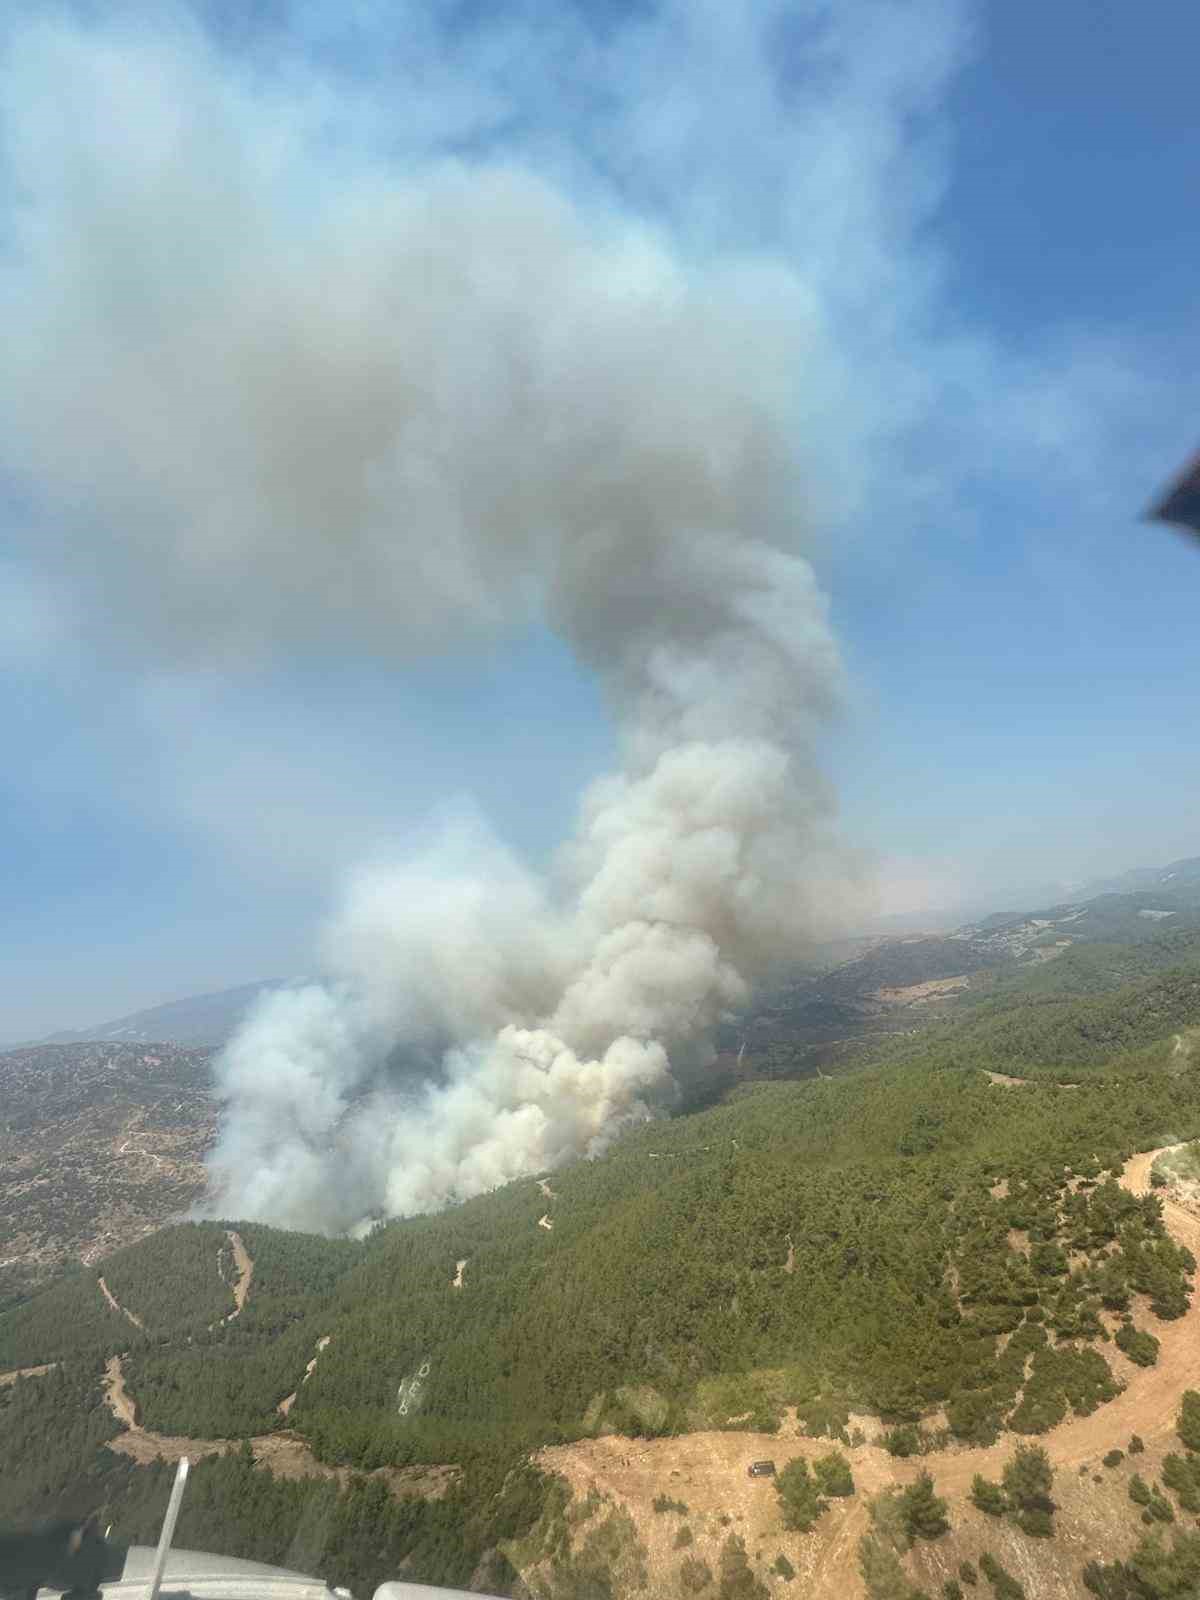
(1180,505)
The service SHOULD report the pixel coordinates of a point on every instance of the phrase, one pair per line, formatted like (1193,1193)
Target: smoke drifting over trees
(319,397)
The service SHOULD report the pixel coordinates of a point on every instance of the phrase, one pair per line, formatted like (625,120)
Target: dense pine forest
(905,1239)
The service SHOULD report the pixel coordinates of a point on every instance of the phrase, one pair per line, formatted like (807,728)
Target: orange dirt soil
(709,1471)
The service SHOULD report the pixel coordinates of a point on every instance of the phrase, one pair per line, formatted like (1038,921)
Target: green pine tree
(799,1498)
(924,1513)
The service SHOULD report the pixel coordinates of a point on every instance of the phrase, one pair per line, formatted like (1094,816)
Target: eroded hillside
(99,1145)
(921,1262)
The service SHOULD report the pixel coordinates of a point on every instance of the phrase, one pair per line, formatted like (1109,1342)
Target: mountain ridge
(201,1020)
(208,1020)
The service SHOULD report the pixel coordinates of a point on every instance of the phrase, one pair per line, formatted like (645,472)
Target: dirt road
(1003,1081)
(285,1454)
(709,1470)
(25,1372)
(288,1401)
(117,1306)
(1136,1176)
(120,1402)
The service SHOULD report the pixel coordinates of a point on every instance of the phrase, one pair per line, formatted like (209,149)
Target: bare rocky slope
(100,1144)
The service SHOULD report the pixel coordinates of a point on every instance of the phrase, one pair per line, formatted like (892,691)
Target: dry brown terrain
(709,1472)
(920,993)
(100,1144)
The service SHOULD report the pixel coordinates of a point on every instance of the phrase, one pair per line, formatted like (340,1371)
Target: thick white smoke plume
(404,409)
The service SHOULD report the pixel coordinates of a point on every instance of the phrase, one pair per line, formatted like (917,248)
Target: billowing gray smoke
(405,410)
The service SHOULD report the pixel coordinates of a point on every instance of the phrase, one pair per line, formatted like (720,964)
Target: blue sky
(1032,689)
(1008,301)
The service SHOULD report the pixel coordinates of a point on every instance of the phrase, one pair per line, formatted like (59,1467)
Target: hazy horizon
(933,918)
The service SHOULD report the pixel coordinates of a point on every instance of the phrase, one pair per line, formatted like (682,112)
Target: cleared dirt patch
(1048,952)
(245,1271)
(920,993)
(457,1281)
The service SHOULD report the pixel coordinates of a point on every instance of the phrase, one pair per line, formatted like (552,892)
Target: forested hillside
(896,985)
(906,1241)
(1096,968)
(1039,1030)
(831,1246)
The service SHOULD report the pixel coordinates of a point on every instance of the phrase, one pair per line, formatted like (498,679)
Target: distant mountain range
(893,984)
(1183,874)
(200,1021)
(1176,875)
(861,965)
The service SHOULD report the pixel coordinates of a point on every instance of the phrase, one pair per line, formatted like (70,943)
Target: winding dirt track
(289,1400)
(712,1467)
(285,1454)
(117,1306)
